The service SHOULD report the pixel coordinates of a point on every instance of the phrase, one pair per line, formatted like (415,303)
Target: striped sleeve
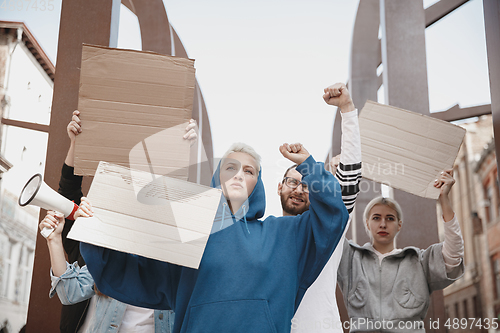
(349,169)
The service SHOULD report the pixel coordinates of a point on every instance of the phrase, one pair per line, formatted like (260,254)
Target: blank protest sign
(153,216)
(127,97)
(406,150)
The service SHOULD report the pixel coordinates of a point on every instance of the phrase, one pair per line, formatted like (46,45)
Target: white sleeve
(453,245)
(349,170)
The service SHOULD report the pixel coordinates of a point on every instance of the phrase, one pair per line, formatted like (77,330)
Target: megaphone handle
(46,232)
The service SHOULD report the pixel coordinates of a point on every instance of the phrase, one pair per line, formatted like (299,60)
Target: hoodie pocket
(358,296)
(231,316)
(406,296)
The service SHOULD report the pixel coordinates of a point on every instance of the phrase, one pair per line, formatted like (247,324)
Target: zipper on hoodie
(380,287)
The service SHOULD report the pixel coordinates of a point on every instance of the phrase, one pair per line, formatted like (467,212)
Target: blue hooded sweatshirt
(253,273)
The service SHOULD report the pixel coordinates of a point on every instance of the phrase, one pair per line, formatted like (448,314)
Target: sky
(262,66)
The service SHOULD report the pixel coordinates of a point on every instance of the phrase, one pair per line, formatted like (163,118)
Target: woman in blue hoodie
(254,272)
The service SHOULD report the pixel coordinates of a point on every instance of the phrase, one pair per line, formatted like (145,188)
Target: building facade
(475,197)
(26,78)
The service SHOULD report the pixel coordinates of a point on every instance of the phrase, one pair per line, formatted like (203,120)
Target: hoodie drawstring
(245,217)
(223,215)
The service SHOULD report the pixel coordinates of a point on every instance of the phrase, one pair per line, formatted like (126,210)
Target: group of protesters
(277,274)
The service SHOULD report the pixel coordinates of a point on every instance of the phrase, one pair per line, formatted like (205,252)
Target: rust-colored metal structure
(95,22)
(81,22)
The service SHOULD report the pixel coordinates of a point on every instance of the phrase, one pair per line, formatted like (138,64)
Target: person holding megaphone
(86,309)
(73,283)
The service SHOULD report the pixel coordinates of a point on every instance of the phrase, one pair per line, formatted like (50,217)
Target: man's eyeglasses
(294,183)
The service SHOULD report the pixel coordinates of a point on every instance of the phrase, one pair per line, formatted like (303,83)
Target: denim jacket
(76,285)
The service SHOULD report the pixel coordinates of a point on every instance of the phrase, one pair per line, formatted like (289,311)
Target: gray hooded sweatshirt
(394,295)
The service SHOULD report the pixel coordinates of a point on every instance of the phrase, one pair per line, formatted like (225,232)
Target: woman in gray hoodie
(387,289)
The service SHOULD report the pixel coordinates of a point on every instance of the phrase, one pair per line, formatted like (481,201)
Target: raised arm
(72,283)
(442,262)
(54,241)
(74,128)
(347,165)
(444,183)
(70,186)
(319,229)
(453,245)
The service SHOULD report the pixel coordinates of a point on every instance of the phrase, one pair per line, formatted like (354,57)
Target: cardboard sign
(406,150)
(152,216)
(134,105)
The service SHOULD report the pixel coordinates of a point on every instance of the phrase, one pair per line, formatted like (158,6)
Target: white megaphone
(37,193)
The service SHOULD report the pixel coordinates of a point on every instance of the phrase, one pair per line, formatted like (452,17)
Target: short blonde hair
(240,147)
(381,201)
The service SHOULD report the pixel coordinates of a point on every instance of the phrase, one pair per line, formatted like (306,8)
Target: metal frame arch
(159,36)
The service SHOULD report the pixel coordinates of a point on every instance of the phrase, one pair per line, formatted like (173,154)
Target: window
(466,310)
(497,194)
(496,277)
(488,198)
(6,271)
(491,209)
(476,307)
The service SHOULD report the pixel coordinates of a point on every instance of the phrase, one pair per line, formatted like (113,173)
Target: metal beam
(405,86)
(81,22)
(158,36)
(153,20)
(25,124)
(457,113)
(436,12)
(440,9)
(363,85)
(492,29)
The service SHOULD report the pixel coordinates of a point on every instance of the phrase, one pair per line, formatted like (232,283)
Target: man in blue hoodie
(252,271)
(294,195)
(318,310)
